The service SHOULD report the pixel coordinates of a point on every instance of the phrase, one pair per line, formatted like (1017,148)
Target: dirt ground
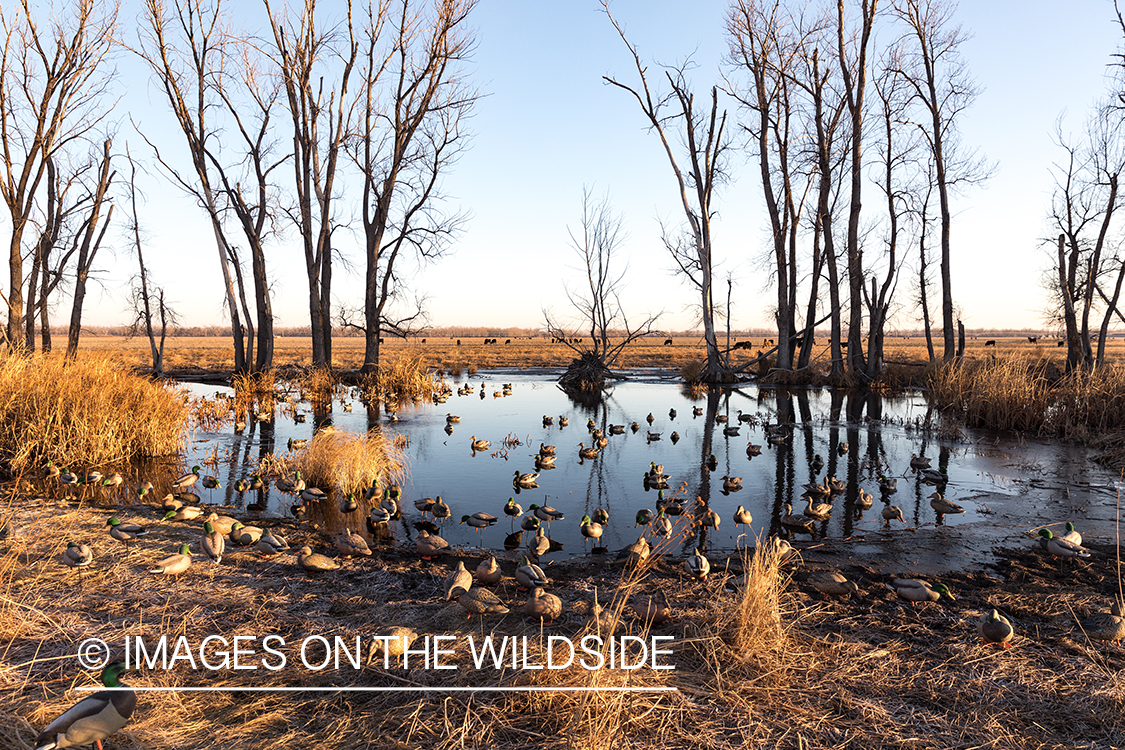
(864,672)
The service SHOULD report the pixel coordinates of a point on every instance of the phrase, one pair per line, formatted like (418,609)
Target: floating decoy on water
(817,464)
(546,450)
(745,418)
(914,590)
(995,629)
(831,583)
(887,485)
(730,431)
(543,605)
(697,566)
(697,411)
(451,419)
(671,414)
(563,421)
(314,562)
(732,484)
(1060,547)
(214,543)
(919,462)
(720,419)
(544,462)
(712,462)
(124,532)
(935,477)
(674,437)
(478,445)
(836,486)
(94,718)
(842,448)
(634,426)
(864,500)
(662,524)
(796,520)
(644,517)
(891,513)
(816,490)
(753,450)
(296,444)
(616,429)
(548,421)
(816,509)
(173,565)
(526,480)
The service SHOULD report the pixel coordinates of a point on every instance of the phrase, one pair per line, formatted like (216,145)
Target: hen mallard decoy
(796,520)
(697,411)
(525,480)
(314,562)
(935,477)
(546,513)
(94,718)
(478,601)
(272,543)
(636,553)
(697,566)
(943,506)
(222,524)
(1104,626)
(440,509)
(864,500)
(186,481)
(753,450)
(488,573)
(836,486)
(831,583)
(732,484)
(742,517)
(842,449)
(478,445)
(173,565)
(543,605)
(459,577)
(214,543)
(919,462)
(994,628)
(914,590)
(1060,547)
(816,490)
(452,419)
(430,545)
(891,513)
(652,610)
(816,509)
(584,452)
(546,450)
(817,464)
(350,543)
(539,545)
(544,462)
(124,532)
(391,643)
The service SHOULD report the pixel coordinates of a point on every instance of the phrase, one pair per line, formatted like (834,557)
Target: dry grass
(87,412)
(344,461)
(406,377)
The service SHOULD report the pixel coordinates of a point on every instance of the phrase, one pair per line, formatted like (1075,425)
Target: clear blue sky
(549,125)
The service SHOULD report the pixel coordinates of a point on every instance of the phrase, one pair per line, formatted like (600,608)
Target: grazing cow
(458,342)
(741,345)
(1033,339)
(508,341)
(423,341)
(667,342)
(380,339)
(844,345)
(990,342)
(1061,343)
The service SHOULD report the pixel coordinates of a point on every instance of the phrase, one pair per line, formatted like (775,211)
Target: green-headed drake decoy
(183,513)
(995,629)
(1060,547)
(173,565)
(888,485)
(600,516)
(512,509)
(93,718)
(644,517)
(349,504)
(590,529)
(526,480)
(1071,534)
(243,535)
(529,575)
(546,513)
(186,481)
(662,524)
(124,532)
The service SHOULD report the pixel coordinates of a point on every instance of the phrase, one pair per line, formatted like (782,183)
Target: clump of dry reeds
(87,411)
(248,385)
(349,461)
(403,378)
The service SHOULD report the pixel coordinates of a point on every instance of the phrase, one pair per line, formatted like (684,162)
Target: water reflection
(858,436)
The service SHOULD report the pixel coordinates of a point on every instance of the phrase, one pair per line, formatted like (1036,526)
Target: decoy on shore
(93,718)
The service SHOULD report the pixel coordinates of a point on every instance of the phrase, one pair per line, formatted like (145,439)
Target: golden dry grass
(84,412)
(345,461)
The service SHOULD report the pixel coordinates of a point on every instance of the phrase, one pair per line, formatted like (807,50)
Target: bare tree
(53,91)
(315,68)
(410,130)
(598,303)
(186,50)
(89,240)
(705,147)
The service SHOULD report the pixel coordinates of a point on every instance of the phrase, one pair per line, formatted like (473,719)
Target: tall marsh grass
(403,378)
(349,461)
(84,412)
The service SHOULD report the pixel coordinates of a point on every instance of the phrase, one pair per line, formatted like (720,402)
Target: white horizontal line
(259,689)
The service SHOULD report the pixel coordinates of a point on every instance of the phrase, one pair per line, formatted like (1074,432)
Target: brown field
(194,353)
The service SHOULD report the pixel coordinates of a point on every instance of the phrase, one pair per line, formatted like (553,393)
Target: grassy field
(216,353)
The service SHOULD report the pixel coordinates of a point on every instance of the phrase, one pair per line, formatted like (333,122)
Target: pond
(1007,487)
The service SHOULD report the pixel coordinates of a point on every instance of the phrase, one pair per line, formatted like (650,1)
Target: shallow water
(1006,487)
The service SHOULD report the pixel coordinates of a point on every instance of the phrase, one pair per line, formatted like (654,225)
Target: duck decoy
(730,430)
(1106,626)
(796,520)
(674,437)
(591,529)
(546,513)
(543,605)
(440,509)
(544,462)
(891,513)
(143,489)
(835,486)
(636,553)
(652,610)
(124,532)
(697,411)
(919,462)
(644,517)
(349,504)
(742,517)
(563,421)
(113,480)
(312,494)
(1071,534)
(529,575)
(478,601)
(842,449)
(720,419)
(816,509)
(652,436)
(430,545)
(424,505)
(271,543)
(831,583)
(935,477)
(995,629)
(943,506)
(662,524)
(526,480)
(314,562)
(548,421)
(539,544)
(452,419)
(1059,547)
(77,555)
(864,500)
(697,566)
(888,485)
(93,718)
(214,543)
(732,484)
(512,509)
(634,426)
(546,450)
(488,573)
(459,577)
(350,543)
(671,414)
(186,481)
(222,524)
(712,462)
(183,513)
(584,452)
(914,590)
(478,445)
(244,536)
(173,565)
(816,490)
(817,464)
(753,450)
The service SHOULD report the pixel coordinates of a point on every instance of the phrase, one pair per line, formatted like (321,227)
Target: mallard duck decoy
(721,419)
(842,449)
(590,529)
(143,489)
(652,436)
(634,426)
(652,610)
(214,543)
(294,485)
(94,718)
(459,577)
(935,477)
(424,505)
(563,421)
(546,450)
(77,555)
(644,517)
(113,480)
(350,543)
(478,601)
(543,605)
(1106,626)
(222,524)
(548,420)
(243,535)
(817,464)
(636,553)
(891,513)
(1060,547)
(864,500)
(173,565)
(314,562)
(183,513)
(994,628)
(796,520)
(241,486)
(919,462)
(816,509)
(124,532)
(831,583)
(710,518)
(888,485)
(211,483)
(478,445)
(835,486)
(391,642)
(526,480)
(488,573)
(732,484)
(512,509)
(742,517)
(529,575)
(313,495)
(349,504)
(529,523)
(662,524)
(600,515)
(943,506)
(730,430)
(430,545)
(187,480)
(697,566)
(271,543)
(544,462)
(697,411)
(1071,534)
(546,513)
(753,450)
(816,490)
(914,590)
(452,419)
(440,509)
(584,452)
(50,471)
(539,544)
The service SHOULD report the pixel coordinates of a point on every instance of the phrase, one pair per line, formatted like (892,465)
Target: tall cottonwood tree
(315,66)
(89,241)
(697,170)
(54,78)
(409,130)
